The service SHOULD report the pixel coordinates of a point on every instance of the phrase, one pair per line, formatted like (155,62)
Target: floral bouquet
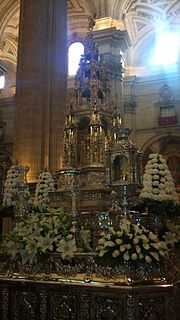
(131,243)
(44,186)
(15,191)
(39,235)
(159,193)
(172,234)
(10,187)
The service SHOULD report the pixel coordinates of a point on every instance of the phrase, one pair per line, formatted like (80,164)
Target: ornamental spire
(92,22)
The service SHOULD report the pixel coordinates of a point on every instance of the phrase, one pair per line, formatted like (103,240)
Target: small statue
(92,22)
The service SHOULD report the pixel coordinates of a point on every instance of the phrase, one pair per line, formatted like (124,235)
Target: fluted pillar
(41,85)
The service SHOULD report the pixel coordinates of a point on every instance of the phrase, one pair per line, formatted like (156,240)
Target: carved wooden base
(55,300)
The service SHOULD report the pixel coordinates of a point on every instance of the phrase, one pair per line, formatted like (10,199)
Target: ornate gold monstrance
(98,155)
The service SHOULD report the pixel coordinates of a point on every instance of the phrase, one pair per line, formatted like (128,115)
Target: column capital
(112,40)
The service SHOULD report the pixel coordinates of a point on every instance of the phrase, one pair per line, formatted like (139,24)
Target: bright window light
(74,54)
(167,48)
(2,81)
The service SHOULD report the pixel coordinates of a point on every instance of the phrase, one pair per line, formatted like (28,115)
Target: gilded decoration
(98,152)
(93,254)
(95,178)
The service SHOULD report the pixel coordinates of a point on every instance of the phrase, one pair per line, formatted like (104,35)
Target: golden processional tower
(98,156)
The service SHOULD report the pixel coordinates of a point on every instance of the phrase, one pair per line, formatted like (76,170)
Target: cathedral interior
(126,30)
(89,89)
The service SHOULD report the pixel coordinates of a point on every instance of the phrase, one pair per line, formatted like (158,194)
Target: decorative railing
(87,267)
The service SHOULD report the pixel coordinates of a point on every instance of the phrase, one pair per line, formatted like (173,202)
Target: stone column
(112,43)
(41,85)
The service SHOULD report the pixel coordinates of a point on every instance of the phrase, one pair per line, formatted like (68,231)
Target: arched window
(74,55)
(2,81)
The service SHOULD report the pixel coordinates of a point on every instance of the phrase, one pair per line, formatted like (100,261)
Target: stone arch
(9,27)
(78,14)
(142,49)
(169,147)
(146,154)
(173,163)
(10,78)
(118,9)
(9,18)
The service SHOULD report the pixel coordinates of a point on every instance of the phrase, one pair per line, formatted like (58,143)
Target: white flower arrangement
(172,235)
(44,186)
(158,183)
(15,177)
(130,243)
(10,187)
(41,234)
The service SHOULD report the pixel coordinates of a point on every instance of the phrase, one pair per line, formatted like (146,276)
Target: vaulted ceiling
(141,18)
